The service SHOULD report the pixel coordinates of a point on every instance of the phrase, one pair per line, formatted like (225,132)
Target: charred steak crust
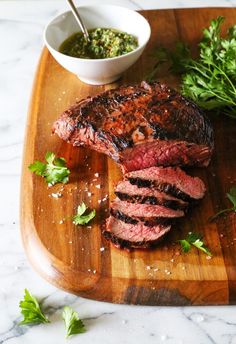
(131,193)
(170,180)
(129,245)
(119,122)
(163,187)
(146,220)
(151,200)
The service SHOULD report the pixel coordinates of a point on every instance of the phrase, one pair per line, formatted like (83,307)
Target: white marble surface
(21,26)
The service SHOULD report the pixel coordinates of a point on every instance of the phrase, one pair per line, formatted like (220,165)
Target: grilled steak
(140,126)
(125,235)
(149,214)
(171,180)
(126,191)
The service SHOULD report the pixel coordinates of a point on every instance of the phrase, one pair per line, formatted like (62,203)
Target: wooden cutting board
(78,259)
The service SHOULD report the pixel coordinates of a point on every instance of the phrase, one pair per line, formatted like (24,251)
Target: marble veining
(21,28)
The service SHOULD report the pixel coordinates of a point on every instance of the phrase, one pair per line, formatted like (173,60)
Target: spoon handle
(79,20)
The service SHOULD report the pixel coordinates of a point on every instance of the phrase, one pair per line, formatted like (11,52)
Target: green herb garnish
(80,218)
(194,239)
(210,80)
(232,197)
(72,321)
(54,171)
(31,311)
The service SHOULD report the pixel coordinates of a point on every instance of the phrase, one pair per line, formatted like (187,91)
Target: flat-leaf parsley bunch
(210,79)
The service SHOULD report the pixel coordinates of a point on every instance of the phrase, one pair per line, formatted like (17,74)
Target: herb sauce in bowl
(104,43)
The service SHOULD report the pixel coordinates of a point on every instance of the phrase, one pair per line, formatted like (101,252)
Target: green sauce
(103,43)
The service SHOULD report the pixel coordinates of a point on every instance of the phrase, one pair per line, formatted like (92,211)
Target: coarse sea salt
(56,195)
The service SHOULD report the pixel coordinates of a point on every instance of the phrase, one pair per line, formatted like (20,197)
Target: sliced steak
(149,214)
(140,126)
(126,191)
(125,235)
(171,180)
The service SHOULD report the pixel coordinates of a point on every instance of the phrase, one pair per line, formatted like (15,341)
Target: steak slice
(171,180)
(125,235)
(140,126)
(149,214)
(126,191)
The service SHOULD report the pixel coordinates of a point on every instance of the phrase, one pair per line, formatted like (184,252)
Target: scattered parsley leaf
(54,171)
(185,245)
(38,168)
(194,239)
(210,79)
(200,245)
(72,321)
(31,311)
(232,197)
(79,218)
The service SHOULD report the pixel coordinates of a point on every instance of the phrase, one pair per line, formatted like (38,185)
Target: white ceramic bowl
(99,71)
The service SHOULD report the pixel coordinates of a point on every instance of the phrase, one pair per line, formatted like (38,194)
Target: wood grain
(70,256)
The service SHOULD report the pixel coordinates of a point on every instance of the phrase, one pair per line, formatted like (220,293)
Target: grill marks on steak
(146,220)
(126,191)
(170,180)
(147,210)
(140,126)
(149,214)
(126,235)
(140,216)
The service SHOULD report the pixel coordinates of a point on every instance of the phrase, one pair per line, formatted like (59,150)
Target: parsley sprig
(80,218)
(194,239)
(54,170)
(73,323)
(31,311)
(210,80)
(231,195)
(33,315)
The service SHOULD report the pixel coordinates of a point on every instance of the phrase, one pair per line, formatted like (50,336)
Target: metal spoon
(78,19)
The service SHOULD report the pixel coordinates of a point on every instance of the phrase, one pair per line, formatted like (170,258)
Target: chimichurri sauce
(103,43)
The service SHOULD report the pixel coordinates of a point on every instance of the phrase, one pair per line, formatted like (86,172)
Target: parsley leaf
(194,239)
(79,218)
(232,197)
(185,245)
(54,170)
(31,310)
(72,321)
(210,79)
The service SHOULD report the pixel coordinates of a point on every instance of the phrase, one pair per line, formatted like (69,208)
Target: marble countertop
(21,27)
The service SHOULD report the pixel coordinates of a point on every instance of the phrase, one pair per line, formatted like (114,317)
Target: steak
(149,214)
(171,180)
(126,191)
(126,235)
(140,126)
